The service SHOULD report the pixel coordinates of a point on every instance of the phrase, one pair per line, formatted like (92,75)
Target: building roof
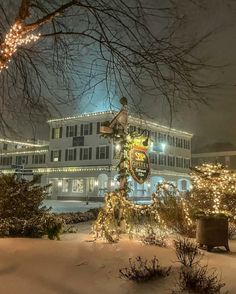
(137,120)
(27,143)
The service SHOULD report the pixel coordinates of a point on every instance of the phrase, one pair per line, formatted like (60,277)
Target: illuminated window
(55,155)
(91,184)
(57,133)
(65,185)
(78,186)
(183,185)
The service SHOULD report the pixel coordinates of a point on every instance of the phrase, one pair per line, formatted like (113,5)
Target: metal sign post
(119,128)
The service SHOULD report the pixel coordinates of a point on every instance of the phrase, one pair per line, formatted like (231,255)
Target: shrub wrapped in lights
(214,190)
(167,212)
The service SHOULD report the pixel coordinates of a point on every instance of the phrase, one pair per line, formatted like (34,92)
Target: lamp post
(118,127)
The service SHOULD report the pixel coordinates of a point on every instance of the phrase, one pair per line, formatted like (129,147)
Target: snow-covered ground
(75,206)
(71,206)
(76,266)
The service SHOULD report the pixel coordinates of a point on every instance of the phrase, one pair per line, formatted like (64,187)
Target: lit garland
(71,169)
(17,36)
(43,144)
(24,152)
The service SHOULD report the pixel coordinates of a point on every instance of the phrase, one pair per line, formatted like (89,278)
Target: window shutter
(60,132)
(66,155)
(90,153)
(59,159)
(74,154)
(98,127)
(51,156)
(81,154)
(75,134)
(53,133)
(97,152)
(90,128)
(81,130)
(67,131)
(107,152)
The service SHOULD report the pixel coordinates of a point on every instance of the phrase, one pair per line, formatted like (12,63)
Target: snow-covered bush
(142,270)
(22,212)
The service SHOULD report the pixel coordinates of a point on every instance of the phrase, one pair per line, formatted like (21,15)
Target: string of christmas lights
(212,185)
(17,36)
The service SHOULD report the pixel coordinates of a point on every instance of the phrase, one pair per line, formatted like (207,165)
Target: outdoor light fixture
(163,145)
(118,147)
(112,183)
(145,142)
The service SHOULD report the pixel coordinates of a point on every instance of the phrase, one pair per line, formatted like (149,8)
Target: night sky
(215,122)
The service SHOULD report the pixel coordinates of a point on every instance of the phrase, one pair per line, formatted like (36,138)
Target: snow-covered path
(75,266)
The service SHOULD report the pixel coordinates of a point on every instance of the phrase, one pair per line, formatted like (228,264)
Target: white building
(80,164)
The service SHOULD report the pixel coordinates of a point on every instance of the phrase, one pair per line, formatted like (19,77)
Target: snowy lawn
(76,266)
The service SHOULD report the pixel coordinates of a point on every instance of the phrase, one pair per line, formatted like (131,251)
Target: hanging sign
(139,165)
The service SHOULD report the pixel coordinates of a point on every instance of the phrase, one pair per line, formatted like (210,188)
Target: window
(38,158)
(6,160)
(153,158)
(78,186)
(179,162)
(71,131)
(171,140)
(179,142)
(186,163)
(70,154)
(183,185)
(86,129)
(153,136)
(57,133)
(4,146)
(86,153)
(78,141)
(171,160)
(65,185)
(55,155)
(162,159)
(161,138)
(102,152)
(100,124)
(20,160)
(91,184)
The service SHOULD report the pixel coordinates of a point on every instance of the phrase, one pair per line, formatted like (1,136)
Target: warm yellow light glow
(16,37)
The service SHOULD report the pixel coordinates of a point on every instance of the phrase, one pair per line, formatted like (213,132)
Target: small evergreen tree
(21,209)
